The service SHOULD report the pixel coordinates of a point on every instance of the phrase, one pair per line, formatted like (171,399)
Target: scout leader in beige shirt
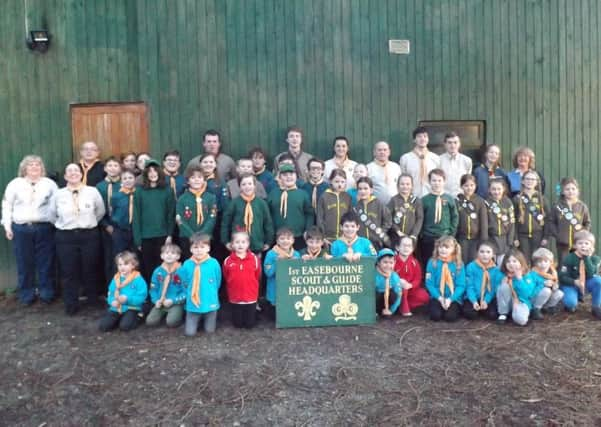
(454,164)
(419,162)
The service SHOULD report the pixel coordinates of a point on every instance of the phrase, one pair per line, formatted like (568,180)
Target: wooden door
(115,128)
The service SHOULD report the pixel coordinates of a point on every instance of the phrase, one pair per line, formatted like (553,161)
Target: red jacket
(242,277)
(409,270)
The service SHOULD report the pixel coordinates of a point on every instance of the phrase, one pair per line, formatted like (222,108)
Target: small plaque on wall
(399,47)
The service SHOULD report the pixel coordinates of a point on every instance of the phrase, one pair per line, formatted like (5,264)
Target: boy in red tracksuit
(242,274)
(410,272)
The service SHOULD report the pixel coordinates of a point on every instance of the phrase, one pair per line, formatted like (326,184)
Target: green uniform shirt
(261,231)
(154,213)
(449,220)
(570,269)
(186,214)
(299,215)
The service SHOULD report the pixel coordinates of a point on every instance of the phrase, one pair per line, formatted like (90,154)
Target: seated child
(518,289)
(283,249)
(350,246)
(242,275)
(445,280)
(167,294)
(127,292)
(315,241)
(201,276)
(482,278)
(388,284)
(410,272)
(544,270)
(579,273)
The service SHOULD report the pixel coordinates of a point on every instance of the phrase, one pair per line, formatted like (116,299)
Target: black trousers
(380,300)
(490,313)
(125,321)
(78,253)
(437,313)
(426,247)
(244,315)
(151,255)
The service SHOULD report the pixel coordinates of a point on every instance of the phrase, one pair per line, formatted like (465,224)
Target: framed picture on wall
(472,134)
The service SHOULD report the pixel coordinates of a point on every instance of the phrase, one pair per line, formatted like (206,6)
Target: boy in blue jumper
(127,292)
(388,284)
(167,293)
(201,276)
(283,249)
(350,246)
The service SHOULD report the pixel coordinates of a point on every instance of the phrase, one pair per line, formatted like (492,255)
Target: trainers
(597,312)
(536,314)
(407,314)
(502,319)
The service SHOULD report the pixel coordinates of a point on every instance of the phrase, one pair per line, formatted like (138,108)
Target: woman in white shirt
(79,209)
(341,161)
(27,219)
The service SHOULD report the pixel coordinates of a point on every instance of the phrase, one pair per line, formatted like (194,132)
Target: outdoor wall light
(39,40)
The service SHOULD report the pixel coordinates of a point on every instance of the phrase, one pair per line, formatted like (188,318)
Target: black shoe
(551,311)
(502,319)
(46,301)
(596,312)
(71,310)
(536,314)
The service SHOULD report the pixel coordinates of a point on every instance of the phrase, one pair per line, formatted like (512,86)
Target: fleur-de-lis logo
(306,308)
(345,309)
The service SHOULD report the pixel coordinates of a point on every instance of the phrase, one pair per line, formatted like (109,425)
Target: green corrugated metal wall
(530,68)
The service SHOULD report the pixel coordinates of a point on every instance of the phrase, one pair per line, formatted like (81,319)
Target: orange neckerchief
(248,212)
(282,254)
(121,284)
(551,275)
(438,209)
(485,285)
(198,197)
(284,200)
(446,278)
(86,169)
(423,166)
(581,270)
(385,166)
(314,192)
(386,286)
(130,194)
(168,277)
(172,182)
(195,293)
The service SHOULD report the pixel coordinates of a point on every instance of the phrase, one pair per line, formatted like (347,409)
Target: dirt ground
(57,370)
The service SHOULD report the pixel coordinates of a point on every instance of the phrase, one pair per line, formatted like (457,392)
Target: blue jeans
(34,251)
(571,293)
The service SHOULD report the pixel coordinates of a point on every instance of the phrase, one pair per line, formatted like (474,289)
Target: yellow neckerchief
(86,169)
(386,286)
(198,198)
(130,194)
(282,254)
(121,284)
(437,208)
(172,182)
(384,165)
(498,217)
(485,284)
(109,192)
(423,166)
(314,192)
(314,255)
(570,226)
(167,279)
(284,200)
(469,220)
(550,275)
(195,292)
(446,278)
(75,195)
(248,212)
(349,243)
(404,224)
(337,194)
(581,270)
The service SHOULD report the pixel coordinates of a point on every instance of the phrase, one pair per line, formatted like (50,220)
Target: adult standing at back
(383,172)
(523,161)
(92,167)
(419,162)
(341,161)
(294,139)
(211,144)
(454,164)
(27,217)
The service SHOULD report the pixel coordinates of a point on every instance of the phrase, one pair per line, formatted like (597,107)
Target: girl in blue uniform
(482,278)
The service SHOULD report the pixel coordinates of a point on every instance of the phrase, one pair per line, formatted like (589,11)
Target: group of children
(468,245)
